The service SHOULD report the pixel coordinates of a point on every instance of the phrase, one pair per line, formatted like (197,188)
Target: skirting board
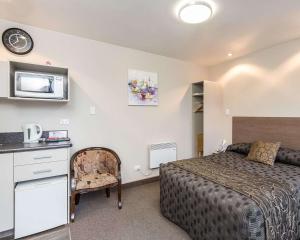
(140,182)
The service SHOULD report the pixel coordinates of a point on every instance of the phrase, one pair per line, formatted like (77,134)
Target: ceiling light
(229,54)
(195,12)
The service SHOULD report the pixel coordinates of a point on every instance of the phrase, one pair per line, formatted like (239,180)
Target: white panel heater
(162,153)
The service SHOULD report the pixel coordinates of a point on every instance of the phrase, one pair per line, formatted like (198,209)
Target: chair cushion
(95,180)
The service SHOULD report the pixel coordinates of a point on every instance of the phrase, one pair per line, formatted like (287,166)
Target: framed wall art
(142,88)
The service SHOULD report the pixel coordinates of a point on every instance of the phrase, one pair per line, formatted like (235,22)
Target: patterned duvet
(207,210)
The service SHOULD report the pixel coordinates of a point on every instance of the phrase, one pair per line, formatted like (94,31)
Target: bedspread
(224,196)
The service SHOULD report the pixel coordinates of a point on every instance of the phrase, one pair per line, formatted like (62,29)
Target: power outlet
(137,168)
(64,121)
(92,110)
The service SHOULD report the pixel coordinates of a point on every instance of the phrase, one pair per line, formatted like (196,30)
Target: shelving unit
(7,75)
(198,112)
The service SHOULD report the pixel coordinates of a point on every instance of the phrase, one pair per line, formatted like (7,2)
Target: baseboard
(140,182)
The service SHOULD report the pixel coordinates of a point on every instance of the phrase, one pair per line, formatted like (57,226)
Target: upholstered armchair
(94,169)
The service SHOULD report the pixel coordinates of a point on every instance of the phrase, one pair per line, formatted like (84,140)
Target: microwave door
(36,84)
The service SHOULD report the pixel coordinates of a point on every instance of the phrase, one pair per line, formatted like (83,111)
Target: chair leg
(107,190)
(119,195)
(72,210)
(77,198)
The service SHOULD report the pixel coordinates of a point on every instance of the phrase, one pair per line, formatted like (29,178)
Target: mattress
(208,210)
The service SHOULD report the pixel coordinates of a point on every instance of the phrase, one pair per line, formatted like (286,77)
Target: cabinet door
(6,192)
(4,79)
(213,117)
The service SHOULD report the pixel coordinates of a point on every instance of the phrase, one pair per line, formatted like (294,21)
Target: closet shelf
(198,94)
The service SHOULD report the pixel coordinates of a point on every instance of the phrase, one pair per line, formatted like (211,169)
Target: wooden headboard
(272,129)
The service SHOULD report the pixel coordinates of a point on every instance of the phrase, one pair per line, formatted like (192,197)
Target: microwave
(39,85)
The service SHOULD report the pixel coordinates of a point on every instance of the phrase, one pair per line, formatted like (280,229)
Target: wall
(99,78)
(265,83)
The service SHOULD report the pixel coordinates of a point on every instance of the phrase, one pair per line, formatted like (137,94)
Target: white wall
(99,77)
(213,117)
(265,83)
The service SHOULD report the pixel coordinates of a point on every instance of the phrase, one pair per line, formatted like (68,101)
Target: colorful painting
(142,88)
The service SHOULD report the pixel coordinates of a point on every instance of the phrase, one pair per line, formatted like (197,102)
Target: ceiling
(238,26)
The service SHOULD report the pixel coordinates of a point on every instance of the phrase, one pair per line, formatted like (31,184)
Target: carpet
(98,218)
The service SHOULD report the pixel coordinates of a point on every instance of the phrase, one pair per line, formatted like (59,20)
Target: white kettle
(32,132)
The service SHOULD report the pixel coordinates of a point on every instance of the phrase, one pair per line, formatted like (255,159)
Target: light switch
(227,111)
(92,110)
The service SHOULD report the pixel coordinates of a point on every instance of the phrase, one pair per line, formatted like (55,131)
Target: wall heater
(162,153)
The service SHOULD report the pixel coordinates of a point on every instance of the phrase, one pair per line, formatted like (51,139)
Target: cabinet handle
(44,157)
(42,171)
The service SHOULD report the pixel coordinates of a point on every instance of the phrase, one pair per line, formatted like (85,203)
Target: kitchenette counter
(23,163)
(11,142)
(22,147)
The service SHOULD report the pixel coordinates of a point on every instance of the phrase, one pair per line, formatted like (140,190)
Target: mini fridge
(40,205)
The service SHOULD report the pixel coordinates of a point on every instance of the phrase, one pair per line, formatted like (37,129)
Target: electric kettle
(32,132)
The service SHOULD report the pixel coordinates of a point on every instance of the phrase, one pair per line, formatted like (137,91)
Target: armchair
(93,169)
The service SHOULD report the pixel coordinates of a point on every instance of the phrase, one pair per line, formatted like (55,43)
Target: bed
(224,196)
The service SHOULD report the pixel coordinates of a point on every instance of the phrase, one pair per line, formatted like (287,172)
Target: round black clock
(17,41)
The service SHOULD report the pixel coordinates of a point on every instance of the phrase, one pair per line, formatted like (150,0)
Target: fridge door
(40,205)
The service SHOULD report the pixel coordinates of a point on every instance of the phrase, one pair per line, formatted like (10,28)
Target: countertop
(23,147)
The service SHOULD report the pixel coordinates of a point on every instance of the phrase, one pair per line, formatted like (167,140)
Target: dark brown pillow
(263,152)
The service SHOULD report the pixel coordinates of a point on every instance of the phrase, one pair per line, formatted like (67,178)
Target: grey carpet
(98,218)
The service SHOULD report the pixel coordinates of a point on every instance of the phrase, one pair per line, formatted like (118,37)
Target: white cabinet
(40,170)
(42,156)
(4,79)
(44,201)
(38,193)
(6,192)
(35,174)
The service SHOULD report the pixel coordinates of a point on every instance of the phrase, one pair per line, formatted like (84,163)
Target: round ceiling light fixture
(195,12)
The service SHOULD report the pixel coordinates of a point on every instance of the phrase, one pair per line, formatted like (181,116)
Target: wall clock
(17,41)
